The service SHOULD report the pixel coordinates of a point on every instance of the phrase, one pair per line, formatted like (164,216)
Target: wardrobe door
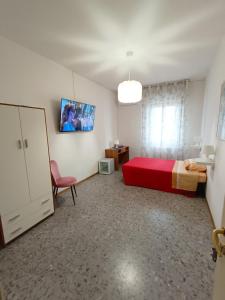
(36,153)
(14,192)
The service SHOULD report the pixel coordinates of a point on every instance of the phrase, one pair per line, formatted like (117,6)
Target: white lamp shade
(130,91)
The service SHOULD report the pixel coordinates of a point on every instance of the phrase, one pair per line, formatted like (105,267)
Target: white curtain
(163,120)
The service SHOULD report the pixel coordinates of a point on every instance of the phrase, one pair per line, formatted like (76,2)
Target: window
(163,121)
(163,128)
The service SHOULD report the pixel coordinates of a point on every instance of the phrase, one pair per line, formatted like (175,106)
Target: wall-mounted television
(76,116)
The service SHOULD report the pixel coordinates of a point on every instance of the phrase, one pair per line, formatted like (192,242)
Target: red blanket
(153,173)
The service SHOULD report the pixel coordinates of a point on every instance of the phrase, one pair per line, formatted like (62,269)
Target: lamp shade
(130,91)
(208,150)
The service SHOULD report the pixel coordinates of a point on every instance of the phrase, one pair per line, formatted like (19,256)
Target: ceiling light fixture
(129,91)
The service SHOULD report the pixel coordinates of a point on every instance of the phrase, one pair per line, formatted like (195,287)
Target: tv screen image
(76,116)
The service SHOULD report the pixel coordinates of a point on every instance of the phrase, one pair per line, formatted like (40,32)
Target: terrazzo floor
(118,243)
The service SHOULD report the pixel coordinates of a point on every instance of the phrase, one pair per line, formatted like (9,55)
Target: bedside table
(120,155)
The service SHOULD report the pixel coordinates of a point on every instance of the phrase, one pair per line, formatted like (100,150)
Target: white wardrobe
(25,180)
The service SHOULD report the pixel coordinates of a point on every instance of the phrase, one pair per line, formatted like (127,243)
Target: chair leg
(56,192)
(72,195)
(75,190)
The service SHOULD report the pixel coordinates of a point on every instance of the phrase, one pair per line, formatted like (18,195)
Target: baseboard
(87,178)
(66,189)
(211,217)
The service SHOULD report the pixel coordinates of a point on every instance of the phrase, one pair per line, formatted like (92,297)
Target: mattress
(202,177)
(154,173)
(184,179)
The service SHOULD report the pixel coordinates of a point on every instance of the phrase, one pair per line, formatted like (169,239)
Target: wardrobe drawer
(45,211)
(45,201)
(11,234)
(16,229)
(19,215)
(9,221)
(18,225)
(33,206)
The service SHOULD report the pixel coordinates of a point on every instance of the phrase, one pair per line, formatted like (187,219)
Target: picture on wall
(76,116)
(221,121)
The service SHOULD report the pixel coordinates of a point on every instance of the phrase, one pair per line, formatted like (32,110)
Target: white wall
(129,127)
(130,119)
(194,108)
(216,177)
(27,78)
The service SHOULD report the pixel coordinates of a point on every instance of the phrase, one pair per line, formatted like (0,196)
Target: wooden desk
(120,155)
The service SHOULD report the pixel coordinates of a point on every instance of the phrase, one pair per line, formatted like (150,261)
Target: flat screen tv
(76,116)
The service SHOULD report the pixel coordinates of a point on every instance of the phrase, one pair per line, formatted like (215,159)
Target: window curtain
(163,120)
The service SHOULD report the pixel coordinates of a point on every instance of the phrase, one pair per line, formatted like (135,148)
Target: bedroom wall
(216,185)
(27,78)
(129,128)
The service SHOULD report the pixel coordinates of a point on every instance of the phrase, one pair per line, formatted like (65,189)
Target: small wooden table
(120,155)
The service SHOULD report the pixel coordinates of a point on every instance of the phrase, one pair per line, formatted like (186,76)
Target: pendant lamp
(129,91)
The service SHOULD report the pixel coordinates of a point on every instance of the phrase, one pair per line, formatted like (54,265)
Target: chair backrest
(54,171)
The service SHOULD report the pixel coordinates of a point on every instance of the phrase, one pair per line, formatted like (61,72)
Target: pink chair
(61,182)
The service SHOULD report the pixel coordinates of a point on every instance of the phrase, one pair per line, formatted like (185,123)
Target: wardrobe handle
(25,143)
(19,144)
(46,212)
(44,201)
(16,230)
(14,218)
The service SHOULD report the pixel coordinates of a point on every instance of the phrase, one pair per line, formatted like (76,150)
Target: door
(14,192)
(219,279)
(36,152)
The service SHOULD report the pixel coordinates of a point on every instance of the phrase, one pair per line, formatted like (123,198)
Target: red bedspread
(153,173)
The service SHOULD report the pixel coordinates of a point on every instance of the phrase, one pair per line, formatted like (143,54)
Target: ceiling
(170,39)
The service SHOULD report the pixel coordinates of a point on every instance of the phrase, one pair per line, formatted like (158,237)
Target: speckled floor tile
(118,243)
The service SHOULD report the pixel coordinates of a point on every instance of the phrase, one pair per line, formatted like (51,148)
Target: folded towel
(190,165)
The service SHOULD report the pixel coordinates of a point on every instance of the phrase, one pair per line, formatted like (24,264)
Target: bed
(164,175)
